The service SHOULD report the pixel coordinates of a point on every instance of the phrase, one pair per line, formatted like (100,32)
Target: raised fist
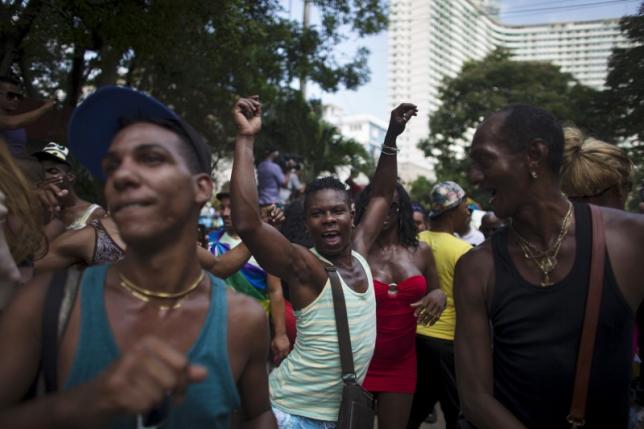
(399,117)
(247,114)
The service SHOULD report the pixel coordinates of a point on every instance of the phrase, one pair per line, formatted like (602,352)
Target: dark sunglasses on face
(10,95)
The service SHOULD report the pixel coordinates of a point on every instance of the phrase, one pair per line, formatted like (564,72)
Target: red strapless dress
(393,366)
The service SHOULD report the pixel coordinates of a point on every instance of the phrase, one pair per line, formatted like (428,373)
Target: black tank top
(536,332)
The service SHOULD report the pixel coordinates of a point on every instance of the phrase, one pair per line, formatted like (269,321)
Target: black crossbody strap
(49,350)
(342,326)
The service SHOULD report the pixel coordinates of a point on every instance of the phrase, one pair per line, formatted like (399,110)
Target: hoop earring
(533,174)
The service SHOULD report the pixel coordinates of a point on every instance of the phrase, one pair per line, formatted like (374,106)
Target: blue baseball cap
(99,118)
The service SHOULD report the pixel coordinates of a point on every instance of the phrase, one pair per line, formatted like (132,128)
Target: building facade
(431,39)
(367,130)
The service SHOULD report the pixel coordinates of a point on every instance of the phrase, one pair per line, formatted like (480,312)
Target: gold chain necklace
(546,260)
(145,294)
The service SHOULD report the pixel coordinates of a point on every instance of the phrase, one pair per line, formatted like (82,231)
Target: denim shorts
(291,421)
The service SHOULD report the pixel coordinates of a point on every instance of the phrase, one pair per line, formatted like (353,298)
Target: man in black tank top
(520,296)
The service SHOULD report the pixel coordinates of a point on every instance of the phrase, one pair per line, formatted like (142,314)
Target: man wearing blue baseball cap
(149,342)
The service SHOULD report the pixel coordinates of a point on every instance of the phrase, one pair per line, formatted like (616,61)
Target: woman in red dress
(407,293)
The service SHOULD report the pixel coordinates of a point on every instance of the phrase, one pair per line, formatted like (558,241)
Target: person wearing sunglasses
(12,123)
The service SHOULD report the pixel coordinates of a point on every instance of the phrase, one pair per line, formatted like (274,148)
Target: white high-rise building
(431,39)
(367,130)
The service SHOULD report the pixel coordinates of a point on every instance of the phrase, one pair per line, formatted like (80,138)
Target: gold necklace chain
(546,260)
(145,294)
(565,224)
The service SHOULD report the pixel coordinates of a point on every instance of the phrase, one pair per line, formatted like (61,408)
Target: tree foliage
(492,83)
(625,86)
(195,55)
(420,190)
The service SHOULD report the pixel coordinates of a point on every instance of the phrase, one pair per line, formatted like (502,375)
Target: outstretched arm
(23,119)
(271,249)
(69,248)
(472,344)
(224,265)
(384,181)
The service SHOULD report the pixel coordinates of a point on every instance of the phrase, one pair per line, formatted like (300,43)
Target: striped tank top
(308,382)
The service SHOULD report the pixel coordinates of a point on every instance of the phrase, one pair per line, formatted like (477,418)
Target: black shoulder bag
(357,409)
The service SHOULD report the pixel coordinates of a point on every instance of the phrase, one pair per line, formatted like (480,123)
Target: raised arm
(271,249)
(472,344)
(384,181)
(23,119)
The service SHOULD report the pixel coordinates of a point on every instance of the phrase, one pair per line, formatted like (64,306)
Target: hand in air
(273,215)
(247,115)
(430,307)
(399,117)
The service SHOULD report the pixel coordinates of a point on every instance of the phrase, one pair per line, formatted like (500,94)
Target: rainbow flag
(251,279)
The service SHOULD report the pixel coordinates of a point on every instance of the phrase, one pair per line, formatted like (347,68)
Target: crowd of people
(135,315)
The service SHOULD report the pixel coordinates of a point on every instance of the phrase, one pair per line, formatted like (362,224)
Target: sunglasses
(10,95)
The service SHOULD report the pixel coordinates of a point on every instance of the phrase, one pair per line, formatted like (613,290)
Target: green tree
(625,87)
(485,86)
(292,125)
(195,55)
(420,190)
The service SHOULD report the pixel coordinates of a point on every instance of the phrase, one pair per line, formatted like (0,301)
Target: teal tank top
(207,404)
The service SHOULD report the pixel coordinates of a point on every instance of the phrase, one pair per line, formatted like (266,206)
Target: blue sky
(372,97)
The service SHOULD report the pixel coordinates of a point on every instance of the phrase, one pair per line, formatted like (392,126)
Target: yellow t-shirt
(447,249)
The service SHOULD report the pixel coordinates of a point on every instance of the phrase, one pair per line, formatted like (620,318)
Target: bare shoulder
(423,251)
(616,220)
(477,258)
(32,294)
(424,247)
(20,318)
(624,230)
(245,314)
(98,213)
(624,238)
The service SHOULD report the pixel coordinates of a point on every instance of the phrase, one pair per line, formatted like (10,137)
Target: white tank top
(308,382)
